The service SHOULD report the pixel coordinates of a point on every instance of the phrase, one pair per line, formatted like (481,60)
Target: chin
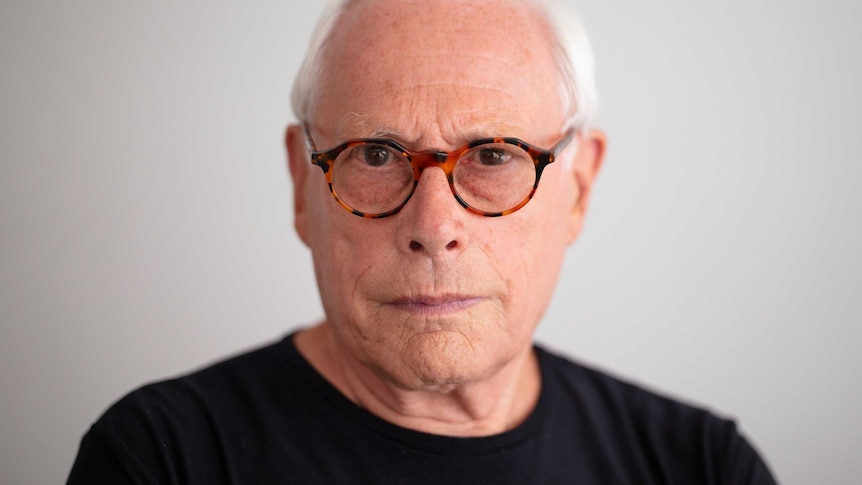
(443,359)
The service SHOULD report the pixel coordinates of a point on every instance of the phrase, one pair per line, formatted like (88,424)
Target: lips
(428,304)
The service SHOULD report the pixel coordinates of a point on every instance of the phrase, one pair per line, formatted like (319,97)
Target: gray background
(147,227)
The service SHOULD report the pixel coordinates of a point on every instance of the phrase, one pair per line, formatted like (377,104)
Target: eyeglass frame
(446,161)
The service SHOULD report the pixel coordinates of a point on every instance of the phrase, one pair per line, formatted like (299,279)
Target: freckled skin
(430,312)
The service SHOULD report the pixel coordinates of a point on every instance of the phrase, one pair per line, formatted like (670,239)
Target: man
(442,164)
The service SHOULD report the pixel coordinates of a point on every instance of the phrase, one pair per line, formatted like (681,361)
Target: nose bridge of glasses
(433,158)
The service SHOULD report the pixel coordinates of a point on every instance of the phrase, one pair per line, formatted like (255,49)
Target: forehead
(461,68)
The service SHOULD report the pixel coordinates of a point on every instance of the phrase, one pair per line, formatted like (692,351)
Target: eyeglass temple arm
(562,144)
(306,129)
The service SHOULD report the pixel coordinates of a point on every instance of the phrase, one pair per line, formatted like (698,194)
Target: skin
(430,313)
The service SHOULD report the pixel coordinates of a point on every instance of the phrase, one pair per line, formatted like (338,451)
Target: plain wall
(146,221)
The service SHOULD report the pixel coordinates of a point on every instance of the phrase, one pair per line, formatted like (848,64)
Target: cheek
(531,268)
(342,258)
(533,253)
(342,248)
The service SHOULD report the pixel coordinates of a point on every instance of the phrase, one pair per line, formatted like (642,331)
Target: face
(435,295)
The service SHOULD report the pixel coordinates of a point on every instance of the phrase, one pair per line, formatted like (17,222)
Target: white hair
(572,51)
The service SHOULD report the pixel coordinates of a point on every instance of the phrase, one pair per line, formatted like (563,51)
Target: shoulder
(186,425)
(217,384)
(600,391)
(640,429)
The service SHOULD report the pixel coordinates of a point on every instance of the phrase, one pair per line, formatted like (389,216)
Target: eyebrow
(385,133)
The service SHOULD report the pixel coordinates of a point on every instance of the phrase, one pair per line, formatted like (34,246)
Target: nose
(433,223)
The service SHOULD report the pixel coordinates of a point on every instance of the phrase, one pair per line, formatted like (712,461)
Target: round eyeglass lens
(494,177)
(372,178)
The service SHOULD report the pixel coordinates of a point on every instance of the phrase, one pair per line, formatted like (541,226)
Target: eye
(493,156)
(376,155)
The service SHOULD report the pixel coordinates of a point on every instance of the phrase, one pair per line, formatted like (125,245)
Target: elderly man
(442,165)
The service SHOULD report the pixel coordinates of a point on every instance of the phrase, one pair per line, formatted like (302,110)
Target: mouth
(436,305)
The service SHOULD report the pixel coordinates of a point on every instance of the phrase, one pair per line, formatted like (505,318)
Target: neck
(493,404)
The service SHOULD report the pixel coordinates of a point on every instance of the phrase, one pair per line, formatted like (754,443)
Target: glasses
(375,177)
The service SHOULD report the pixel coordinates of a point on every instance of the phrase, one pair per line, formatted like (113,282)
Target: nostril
(415,246)
(452,245)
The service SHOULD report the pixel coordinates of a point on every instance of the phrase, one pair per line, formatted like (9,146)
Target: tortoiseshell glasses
(375,177)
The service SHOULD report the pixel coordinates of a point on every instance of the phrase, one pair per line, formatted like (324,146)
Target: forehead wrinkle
(457,125)
(438,69)
(446,114)
(454,137)
(444,121)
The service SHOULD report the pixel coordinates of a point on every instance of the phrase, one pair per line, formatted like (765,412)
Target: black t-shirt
(268,417)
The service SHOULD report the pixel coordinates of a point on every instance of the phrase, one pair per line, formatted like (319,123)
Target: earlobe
(298,165)
(587,163)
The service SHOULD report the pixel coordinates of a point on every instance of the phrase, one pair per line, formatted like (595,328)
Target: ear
(299,166)
(587,163)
